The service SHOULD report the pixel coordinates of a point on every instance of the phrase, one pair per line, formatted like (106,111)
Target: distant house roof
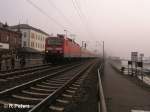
(1,25)
(26,26)
(5,27)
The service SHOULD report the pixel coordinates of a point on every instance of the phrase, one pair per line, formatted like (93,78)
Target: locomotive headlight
(46,51)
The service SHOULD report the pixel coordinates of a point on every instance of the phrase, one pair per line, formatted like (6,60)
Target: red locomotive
(58,49)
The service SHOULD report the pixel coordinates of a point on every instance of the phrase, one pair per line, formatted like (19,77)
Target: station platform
(121,94)
(145,78)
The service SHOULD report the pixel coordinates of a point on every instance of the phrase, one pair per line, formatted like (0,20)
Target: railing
(101,103)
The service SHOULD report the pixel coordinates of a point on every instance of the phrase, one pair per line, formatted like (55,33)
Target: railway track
(22,71)
(58,100)
(25,68)
(12,79)
(36,92)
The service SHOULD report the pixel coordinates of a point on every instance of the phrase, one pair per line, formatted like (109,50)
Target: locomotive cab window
(55,41)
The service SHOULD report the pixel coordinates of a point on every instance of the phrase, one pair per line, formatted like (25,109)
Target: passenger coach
(60,49)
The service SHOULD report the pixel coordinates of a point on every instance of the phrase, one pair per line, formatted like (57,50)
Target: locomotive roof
(71,40)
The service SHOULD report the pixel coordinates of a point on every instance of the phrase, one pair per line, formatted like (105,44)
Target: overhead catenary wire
(80,11)
(85,18)
(77,10)
(63,15)
(82,17)
(60,12)
(44,13)
(70,29)
(54,20)
(48,16)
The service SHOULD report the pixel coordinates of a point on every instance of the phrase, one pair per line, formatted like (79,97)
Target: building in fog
(31,37)
(9,40)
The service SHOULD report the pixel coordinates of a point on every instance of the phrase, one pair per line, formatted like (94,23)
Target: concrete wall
(29,62)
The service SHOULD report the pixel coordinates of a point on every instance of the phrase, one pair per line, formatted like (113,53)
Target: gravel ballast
(86,97)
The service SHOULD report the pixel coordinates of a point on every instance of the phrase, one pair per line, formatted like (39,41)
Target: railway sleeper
(3,80)
(56,81)
(75,85)
(51,84)
(17,100)
(64,98)
(35,93)
(67,95)
(56,109)
(12,78)
(41,89)
(73,88)
(27,98)
(70,91)
(46,87)
(28,95)
(60,103)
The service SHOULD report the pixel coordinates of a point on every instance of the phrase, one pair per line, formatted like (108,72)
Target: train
(63,49)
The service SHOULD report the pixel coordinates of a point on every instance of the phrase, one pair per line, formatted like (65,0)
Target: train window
(55,41)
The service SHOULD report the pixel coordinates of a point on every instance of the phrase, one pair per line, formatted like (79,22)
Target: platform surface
(122,95)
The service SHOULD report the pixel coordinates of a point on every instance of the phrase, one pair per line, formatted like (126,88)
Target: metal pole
(136,68)
(132,68)
(66,33)
(128,68)
(142,68)
(82,43)
(103,51)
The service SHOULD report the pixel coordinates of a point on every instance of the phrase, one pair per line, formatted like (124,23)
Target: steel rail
(5,75)
(25,68)
(31,71)
(26,85)
(49,100)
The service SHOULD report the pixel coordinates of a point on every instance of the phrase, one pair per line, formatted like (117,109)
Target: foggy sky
(124,25)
